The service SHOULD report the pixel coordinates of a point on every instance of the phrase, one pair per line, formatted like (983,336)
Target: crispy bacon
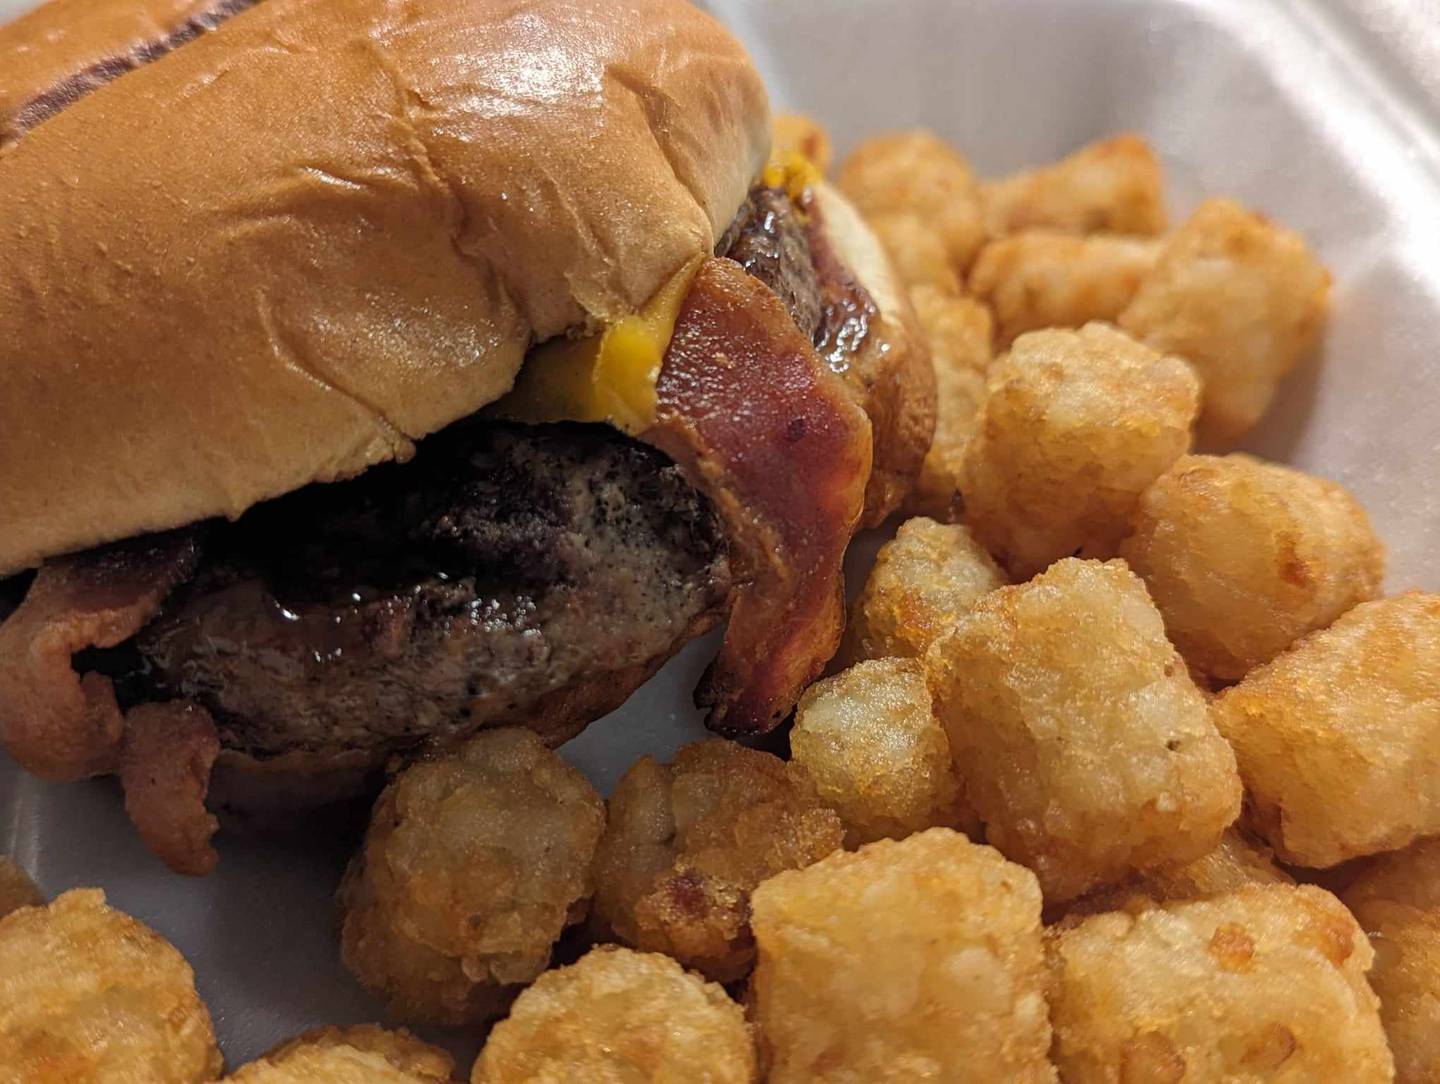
(57,724)
(165,764)
(769,433)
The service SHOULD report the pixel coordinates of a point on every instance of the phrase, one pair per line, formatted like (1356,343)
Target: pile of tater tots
(1127,770)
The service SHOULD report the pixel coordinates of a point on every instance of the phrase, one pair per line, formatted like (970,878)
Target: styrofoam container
(1325,115)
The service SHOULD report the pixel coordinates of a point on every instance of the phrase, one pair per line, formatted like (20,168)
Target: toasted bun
(891,376)
(288,249)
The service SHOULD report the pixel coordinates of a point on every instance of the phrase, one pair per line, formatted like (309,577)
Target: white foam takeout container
(1324,113)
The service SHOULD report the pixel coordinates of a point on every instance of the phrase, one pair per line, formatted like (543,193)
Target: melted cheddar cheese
(608,377)
(791,171)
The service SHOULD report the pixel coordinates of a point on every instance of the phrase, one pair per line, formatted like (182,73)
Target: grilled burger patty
(502,565)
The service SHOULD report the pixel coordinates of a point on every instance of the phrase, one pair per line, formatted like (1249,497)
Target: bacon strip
(58,725)
(770,435)
(165,765)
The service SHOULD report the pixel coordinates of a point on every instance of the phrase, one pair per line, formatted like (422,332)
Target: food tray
(1325,114)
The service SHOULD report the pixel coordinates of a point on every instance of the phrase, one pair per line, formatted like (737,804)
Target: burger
(374,372)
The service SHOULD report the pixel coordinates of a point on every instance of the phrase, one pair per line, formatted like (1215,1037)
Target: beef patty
(495,572)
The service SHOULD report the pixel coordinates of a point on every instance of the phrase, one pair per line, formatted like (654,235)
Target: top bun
(290,248)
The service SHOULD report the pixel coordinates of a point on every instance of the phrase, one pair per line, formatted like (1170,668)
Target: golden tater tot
(1264,983)
(1042,278)
(1081,740)
(917,253)
(620,1017)
(958,331)
(922,580)
(358,1055)
(1244,557)
(1410,876)
(88,995)
(904,961)
(1075,426)
(17,890)
(1235,862)
(1238,297)
(474,864)
(795,133)
(869,738)
(921,175)
(1114,186)
(1338,739)
(1396,900)
(687,844)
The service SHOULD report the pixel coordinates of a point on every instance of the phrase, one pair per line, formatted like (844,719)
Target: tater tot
(904,961)
(922,580)
(1235,862)
(357,1055)
(474,864)
(1338,739)
(1244,557)
(1264,983)
(1075,426)
(919,174)
(916,251)
(869,738)
(17,890)
(1410,876)
(688,842)
(1396,900)
(958,330)
(620,1017)
(1042,278)
(88,995)
(1114,186)
(796,133)
(1081,740)
(1238,297)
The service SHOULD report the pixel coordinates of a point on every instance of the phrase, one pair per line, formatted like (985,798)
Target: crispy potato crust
(1244,557)
(1396,899)
(1265,983)
(1411,877)
(1114,186)
(919,175)
(1338,739)
(922,580)
(904,961)
(358,1055)
(17,890)
(1075,426)
(917,253)
(687,843)
(959,331)
(88,995)
(1043,278)
(869,738)
(1236,861)
(1082,742)
(474,864)
(1242,300)
(620,1017)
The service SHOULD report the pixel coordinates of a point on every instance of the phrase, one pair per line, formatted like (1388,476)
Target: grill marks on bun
(65,49)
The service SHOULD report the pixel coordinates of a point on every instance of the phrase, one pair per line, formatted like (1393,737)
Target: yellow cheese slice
(608,377)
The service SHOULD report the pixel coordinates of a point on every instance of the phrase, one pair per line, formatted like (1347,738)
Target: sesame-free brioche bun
(291,247)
